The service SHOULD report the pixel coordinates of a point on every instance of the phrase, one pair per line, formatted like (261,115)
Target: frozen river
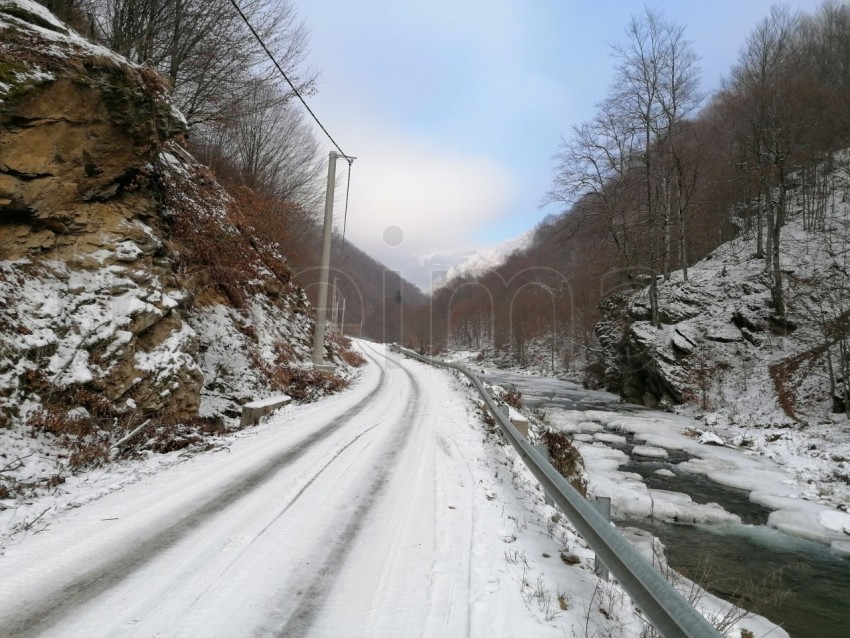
(797,583)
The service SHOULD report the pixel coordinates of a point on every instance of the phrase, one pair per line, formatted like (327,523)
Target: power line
(348,158)
(288,81)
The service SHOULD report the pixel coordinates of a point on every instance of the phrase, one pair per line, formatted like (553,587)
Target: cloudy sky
(454,108)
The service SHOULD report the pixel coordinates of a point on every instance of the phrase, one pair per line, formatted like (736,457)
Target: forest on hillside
(245,123)
(662,175)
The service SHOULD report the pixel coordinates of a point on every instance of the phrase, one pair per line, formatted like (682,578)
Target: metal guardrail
(669,612)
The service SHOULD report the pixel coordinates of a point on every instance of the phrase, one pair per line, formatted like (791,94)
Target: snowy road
(335,509)
(353,516)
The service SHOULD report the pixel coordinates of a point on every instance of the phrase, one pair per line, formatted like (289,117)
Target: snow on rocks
(127,251)
(710,438)
(728,457)
(649,452)
(682,343)
(609,437)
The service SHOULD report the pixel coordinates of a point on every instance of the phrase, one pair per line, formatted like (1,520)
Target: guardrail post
(601,504)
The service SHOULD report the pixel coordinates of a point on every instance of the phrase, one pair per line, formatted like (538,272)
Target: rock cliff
(720,345)
(132,288)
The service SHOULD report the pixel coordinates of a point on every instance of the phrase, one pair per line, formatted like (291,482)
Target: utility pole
(342,320)
(322,305)
(335,305)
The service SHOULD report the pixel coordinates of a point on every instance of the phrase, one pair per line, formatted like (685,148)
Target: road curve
(332,518)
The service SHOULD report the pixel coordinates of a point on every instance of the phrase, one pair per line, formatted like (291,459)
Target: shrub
(60,423)
(513,397)
(88,453)
(346,352)
(566,459)
(220,247)
(302,384)
(96,404)
(86,442)
(172,434)
(352,357)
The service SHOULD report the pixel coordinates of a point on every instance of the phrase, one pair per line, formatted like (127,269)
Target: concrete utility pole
(322,305)
(342,320)
(335,305)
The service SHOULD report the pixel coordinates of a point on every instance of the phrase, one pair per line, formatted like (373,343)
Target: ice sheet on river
(768,484)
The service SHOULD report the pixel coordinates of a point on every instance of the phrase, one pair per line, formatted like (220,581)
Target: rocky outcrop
(641,362)
(719,344)
(709,325)
(89,295)
(130,286)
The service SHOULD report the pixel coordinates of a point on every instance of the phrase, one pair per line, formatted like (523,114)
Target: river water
(798,584)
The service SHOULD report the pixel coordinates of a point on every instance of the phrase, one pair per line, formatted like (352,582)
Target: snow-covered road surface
(369,513)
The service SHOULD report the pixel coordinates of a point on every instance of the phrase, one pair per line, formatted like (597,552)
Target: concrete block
(253,411)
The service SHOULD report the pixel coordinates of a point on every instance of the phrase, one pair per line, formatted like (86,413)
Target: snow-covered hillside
(720,343)
(722,353)
(133,294)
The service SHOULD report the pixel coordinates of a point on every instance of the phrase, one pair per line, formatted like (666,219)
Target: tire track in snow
(443,598)
(312,598)
(283,511)
(47,612)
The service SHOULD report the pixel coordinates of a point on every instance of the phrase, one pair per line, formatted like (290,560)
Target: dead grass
(782,374)
(88,453)
(565,458)
(513,397)
(346,351)
(61,423)
(352,357)
(302,384)
(174,434)
(88,436)
(219,249)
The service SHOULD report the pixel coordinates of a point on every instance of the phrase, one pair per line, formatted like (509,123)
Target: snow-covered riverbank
(802,473)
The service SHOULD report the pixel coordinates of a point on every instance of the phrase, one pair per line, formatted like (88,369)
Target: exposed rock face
(719,344)
(88,292)
(62,152)
(122,272)
(708,326)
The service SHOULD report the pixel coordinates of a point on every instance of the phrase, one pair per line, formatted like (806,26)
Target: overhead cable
(288,81)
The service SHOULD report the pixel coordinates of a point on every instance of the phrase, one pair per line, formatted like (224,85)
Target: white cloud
(480,261)
(438,197)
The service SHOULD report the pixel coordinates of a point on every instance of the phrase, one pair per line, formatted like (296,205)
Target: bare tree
(770,103)
(656,89)
(276,149)
(593,175)
(679,96)
(826,42)
(205,50)
(829,300)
